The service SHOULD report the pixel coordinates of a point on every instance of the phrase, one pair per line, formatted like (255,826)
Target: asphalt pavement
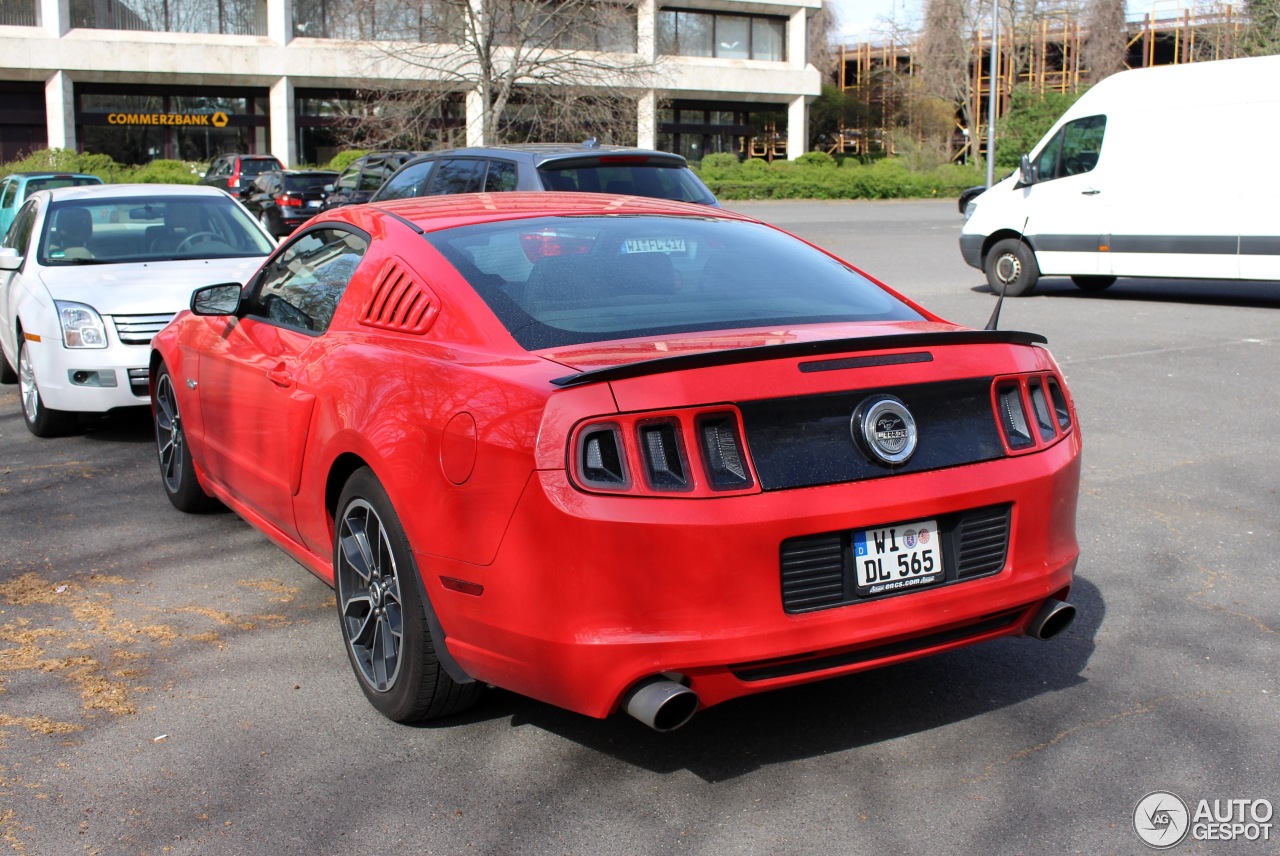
(174,684)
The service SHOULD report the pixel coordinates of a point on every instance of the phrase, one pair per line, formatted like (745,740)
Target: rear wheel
(1011,268)
(1093,283)
(40,420)
(177,470)
(384,624)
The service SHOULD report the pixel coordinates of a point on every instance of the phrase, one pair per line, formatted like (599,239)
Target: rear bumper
(589,594)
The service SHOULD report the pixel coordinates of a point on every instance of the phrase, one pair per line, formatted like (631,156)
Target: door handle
(281,377)
(1090,192)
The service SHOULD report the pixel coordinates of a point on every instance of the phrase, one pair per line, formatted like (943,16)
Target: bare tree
(1105,39)
(1261,36)
(824,42)
(529,67)
(945,72)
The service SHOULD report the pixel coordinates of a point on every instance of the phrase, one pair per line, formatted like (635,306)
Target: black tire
(177,470)
(265,219)
(378,590)
(1094,283)
(1011,268)
(40,420)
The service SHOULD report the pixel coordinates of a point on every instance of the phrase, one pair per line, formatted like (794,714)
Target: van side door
(1067,205)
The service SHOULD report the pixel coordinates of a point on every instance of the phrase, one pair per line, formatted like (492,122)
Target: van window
(1073,150)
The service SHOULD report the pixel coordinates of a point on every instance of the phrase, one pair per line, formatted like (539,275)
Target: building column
(284,122)
(475,119)
(797,127)
(60,111)
(647,120)
(280,21)
(55,17)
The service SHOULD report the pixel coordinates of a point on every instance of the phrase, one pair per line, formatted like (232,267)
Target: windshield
(140,229)
(34,184)
(556,281)
(302,182)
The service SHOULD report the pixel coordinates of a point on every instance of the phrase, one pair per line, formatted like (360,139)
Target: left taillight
(691,453)
(286,201)
(1031,410)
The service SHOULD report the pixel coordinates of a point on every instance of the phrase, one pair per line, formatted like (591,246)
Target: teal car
(17,186)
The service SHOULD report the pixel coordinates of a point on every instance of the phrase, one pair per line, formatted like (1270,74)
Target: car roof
(542,152)
(432,213)
(88,193)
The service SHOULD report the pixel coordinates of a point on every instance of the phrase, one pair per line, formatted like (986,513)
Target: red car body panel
(569,595)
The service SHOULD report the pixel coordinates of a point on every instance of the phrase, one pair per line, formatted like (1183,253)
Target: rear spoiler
(706,359)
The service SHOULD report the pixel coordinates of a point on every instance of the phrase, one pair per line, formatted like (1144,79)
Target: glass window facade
(225,17)
(687,33)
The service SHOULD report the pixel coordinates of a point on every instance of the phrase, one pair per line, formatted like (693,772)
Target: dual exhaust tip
(665,704)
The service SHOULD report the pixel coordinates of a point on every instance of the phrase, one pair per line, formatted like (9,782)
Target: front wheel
(384,624)
(1011,268)
(177,470)
(1093,283)
(40,420)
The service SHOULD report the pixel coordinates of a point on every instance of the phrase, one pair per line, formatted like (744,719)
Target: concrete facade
(279,63)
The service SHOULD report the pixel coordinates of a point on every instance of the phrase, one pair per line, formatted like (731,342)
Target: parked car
(586,167)
(285,199)
(235,173)
(17,186)
(587,448)
(363,176)
(968,195)
(89,274)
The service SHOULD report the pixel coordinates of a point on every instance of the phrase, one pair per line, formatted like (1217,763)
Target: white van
(1155,172)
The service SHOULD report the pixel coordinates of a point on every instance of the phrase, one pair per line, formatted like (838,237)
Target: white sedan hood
(143,288)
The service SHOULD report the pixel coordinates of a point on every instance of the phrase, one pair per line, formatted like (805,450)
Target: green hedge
(816,175)
(66,160)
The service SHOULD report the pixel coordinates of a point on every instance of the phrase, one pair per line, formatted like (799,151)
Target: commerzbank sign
(207,120)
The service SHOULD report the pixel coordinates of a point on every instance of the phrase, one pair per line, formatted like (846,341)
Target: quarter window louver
(399,301)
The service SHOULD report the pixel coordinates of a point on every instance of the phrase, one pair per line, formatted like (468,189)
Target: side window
(347,181)
(19,236)
(10,194)
(457,175)
(501,177)
(1073,150)
(302,286)
(409,182)
(372,177)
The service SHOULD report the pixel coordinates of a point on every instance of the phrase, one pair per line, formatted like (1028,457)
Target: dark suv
(285,199)
(364,176)
(586,167)
(235,173)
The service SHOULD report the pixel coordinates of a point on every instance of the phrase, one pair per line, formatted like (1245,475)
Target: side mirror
(223,299)
(9,259)
(1027,173)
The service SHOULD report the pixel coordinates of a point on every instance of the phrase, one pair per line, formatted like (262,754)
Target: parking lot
(175,684)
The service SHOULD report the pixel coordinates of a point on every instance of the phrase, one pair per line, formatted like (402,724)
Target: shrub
(64,160)
(821,160)
(163,172)
(342,160)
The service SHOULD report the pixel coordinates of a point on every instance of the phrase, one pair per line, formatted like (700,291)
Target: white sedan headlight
(82,326)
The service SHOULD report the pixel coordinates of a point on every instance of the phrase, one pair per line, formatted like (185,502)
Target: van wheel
(1011,268)
(1093,283)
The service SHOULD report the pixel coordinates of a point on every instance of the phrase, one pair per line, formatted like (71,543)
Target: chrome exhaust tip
(661,703)
(1053,618)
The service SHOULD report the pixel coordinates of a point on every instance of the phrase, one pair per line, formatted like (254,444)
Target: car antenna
(994,320)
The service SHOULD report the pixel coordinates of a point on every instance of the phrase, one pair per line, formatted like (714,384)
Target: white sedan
(89,274)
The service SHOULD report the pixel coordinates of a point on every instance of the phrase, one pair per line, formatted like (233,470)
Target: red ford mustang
(619,453)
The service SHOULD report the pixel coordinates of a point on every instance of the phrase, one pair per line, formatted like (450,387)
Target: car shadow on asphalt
(736,738)
(1245,293)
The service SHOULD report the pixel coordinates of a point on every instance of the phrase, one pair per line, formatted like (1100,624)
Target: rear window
(34,184)
(557,281)
(257,166)
(658,182)
(301,183)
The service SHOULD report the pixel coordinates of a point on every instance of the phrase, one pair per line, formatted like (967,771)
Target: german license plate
(655,245)
(898,557)
(314,203)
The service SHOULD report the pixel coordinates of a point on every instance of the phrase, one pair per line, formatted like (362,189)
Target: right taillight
(690,453)
(1031,410)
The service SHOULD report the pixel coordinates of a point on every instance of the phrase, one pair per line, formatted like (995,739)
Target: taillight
(234,181)
(693,453)
(286,201)
(1031,410)
(548,242)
